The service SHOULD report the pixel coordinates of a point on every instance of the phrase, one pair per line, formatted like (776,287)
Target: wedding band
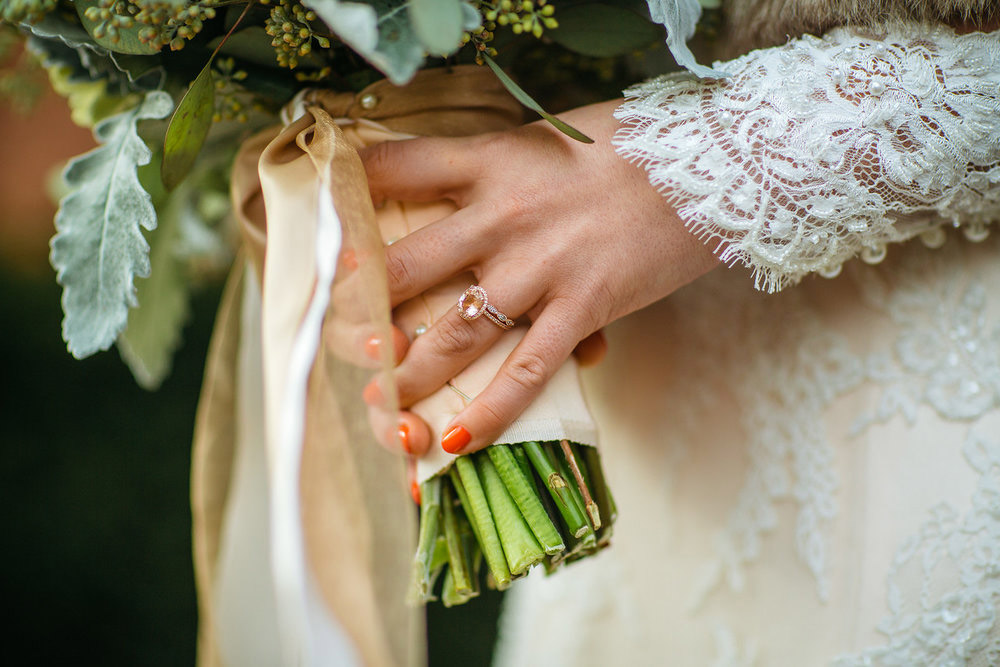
(474,303)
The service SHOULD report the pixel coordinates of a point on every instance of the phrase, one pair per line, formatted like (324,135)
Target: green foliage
(115,32)
(99,247)
(604,30)
(188,128)
(438,24)
(526,99)
(16,11)
(154,327)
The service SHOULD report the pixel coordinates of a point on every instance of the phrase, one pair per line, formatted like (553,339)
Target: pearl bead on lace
(934,238)
(876,88)
(726,119)
(873,254)
(831,271)
(976,232)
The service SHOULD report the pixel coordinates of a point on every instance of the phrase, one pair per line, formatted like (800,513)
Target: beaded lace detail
(823,149)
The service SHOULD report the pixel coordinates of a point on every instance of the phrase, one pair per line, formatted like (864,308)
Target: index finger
(424,169)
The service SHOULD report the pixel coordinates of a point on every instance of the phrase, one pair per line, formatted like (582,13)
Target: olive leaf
(99,247)
(189,126)
(438,24)
(603,30)
(526,99)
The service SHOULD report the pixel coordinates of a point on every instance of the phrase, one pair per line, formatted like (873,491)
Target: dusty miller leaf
(99,247)
(154,328)
(680,18)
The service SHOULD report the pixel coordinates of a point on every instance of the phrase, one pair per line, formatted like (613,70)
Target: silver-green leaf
(154,328)
(438,24)
(99,248)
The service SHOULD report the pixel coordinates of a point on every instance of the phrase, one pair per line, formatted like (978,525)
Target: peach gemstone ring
(474,303)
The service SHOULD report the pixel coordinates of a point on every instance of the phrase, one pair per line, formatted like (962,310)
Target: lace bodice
(823,149)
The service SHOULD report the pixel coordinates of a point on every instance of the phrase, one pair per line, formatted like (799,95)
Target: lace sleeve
(821,149)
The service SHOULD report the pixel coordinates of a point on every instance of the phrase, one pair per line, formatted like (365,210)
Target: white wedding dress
(809,477)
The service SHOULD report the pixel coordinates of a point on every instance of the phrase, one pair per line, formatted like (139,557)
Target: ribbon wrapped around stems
(303,531)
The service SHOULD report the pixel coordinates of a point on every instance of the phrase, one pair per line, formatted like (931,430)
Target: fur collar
(751,24)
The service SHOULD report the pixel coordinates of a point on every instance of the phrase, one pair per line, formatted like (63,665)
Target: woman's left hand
(565,234)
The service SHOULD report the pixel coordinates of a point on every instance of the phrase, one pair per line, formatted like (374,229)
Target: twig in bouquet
(592,510)
(466,397)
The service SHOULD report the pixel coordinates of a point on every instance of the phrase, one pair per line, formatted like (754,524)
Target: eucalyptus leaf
(603,30)
(188,128)
(526,99)
(99,247)
(380,31)
(438,24)
(154,328)
(126,40)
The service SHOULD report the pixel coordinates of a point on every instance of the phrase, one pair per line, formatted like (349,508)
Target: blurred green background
(97,546)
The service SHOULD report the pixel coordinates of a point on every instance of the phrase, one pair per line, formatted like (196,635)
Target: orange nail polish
(372,395)
(373,348)
(415,491)
(455,439)
(404,436)
(350,259)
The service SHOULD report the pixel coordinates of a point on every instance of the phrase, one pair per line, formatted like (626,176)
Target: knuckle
(528,371)
(378,160)
(454,338)
(397,267)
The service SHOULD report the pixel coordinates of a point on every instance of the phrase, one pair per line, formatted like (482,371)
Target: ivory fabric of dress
(812,476)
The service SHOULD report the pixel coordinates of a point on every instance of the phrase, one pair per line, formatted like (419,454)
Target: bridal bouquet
(172,87)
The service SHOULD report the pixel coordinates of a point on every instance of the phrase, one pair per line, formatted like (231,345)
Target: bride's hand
(565,234)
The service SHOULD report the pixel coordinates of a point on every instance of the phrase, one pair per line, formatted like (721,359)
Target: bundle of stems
(512,506)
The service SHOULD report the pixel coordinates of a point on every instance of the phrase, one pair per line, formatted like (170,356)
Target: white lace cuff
(822,149)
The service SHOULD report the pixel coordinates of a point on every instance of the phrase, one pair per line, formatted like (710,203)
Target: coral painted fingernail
(415,491)
(373,348)
(455,439)
(404,436)
(350,259)
(372,395)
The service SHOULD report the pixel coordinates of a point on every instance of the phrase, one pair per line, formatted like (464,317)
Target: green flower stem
(519,544)
(602,493)
(576,522)
(522,490)
(522,462)
(457,558)
(421,579)
(478,511)
(572,492)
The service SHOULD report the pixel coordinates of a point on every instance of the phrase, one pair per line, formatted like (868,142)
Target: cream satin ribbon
(314,245)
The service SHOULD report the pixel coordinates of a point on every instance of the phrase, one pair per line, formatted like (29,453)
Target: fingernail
(373,348)
(350,259)
(372,395)
(455,439)
(414,491)
(404,436)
